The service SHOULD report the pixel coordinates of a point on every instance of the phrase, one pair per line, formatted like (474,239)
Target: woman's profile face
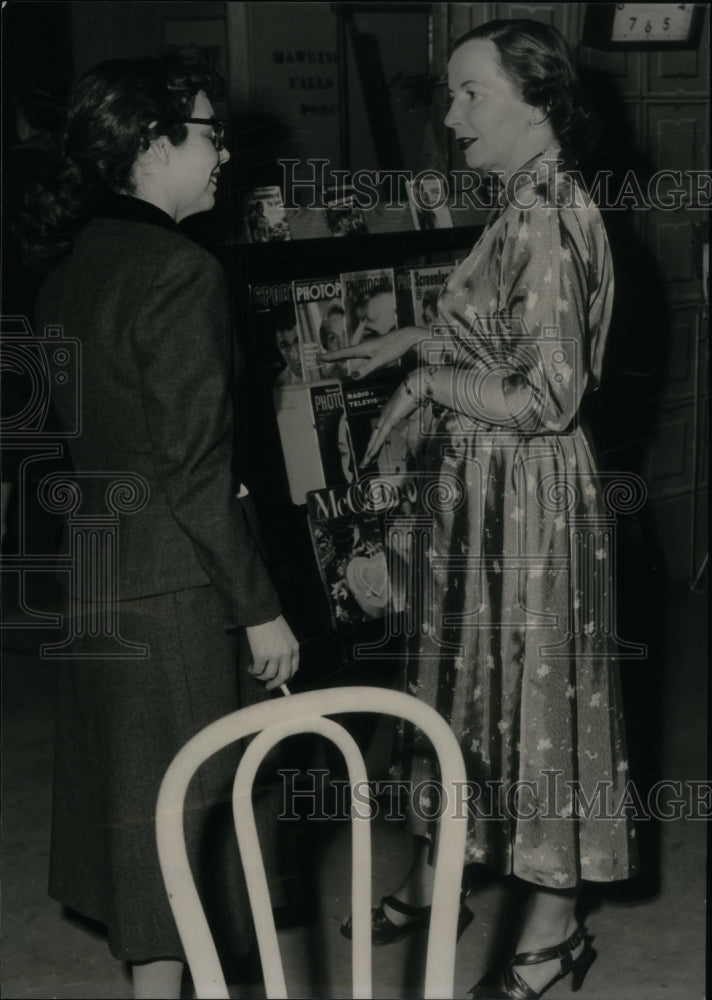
(195,164)
(490,120)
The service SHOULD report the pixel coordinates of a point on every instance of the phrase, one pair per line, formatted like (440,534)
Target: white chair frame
(273,721)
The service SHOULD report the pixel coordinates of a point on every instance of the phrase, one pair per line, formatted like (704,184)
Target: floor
(650,933)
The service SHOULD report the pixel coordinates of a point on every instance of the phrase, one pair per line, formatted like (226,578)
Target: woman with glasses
(199,631)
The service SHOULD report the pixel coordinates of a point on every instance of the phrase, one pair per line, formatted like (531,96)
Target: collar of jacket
(130,209)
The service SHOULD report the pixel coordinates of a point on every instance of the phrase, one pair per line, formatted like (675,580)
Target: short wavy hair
(115,110)
(536,59)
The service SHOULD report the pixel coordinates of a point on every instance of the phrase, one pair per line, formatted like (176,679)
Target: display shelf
(326,651)
(304,258)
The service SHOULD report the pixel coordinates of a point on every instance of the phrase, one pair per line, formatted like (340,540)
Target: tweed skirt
(119,724)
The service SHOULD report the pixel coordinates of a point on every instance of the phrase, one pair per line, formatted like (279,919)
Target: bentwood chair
(274,721)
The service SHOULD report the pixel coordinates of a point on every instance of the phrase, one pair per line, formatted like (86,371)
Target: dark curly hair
(114,112)
(536,59)
(40,106)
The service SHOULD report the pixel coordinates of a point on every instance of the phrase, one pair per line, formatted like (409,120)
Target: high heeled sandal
(507,984)
(384,931)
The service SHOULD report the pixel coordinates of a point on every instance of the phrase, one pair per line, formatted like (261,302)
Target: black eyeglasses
(218,136)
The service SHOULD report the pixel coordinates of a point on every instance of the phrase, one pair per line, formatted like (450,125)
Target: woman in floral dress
(513,642)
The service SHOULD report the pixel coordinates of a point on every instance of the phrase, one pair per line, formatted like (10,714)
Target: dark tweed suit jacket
(151,312)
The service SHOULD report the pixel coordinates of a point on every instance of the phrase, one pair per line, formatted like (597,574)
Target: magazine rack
(285,523)
(327,653)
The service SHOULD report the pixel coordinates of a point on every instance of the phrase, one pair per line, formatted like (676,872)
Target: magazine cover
(321,326)
(271,358)
(425,208)
(332,434)
(314,436)
(369,302)
(275,344)
(343,215)
(426,283)
(350,555)
(363,404)
(394,500)
(265,215)
(404,296)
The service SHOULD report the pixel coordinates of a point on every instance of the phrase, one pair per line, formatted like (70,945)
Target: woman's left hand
(377,351)
(399,406)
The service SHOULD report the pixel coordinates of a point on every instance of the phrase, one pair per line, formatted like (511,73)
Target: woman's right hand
(275,652)
(378,351)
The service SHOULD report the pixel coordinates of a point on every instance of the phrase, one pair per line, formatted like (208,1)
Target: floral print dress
(515,643)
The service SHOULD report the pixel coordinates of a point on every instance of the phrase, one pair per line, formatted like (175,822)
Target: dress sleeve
(183,346)
(554,305)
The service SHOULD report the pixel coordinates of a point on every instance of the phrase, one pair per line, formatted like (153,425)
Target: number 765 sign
(643,25)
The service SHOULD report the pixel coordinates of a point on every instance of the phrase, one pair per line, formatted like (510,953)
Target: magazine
(350,555)
(321,326)
(369,303)
(404,296)
(315,437)
(363,404)
(275,338)
(270,358)
(265,215)
(394,500)
(426,283)
(332,434)
(343,215)
(425,203)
